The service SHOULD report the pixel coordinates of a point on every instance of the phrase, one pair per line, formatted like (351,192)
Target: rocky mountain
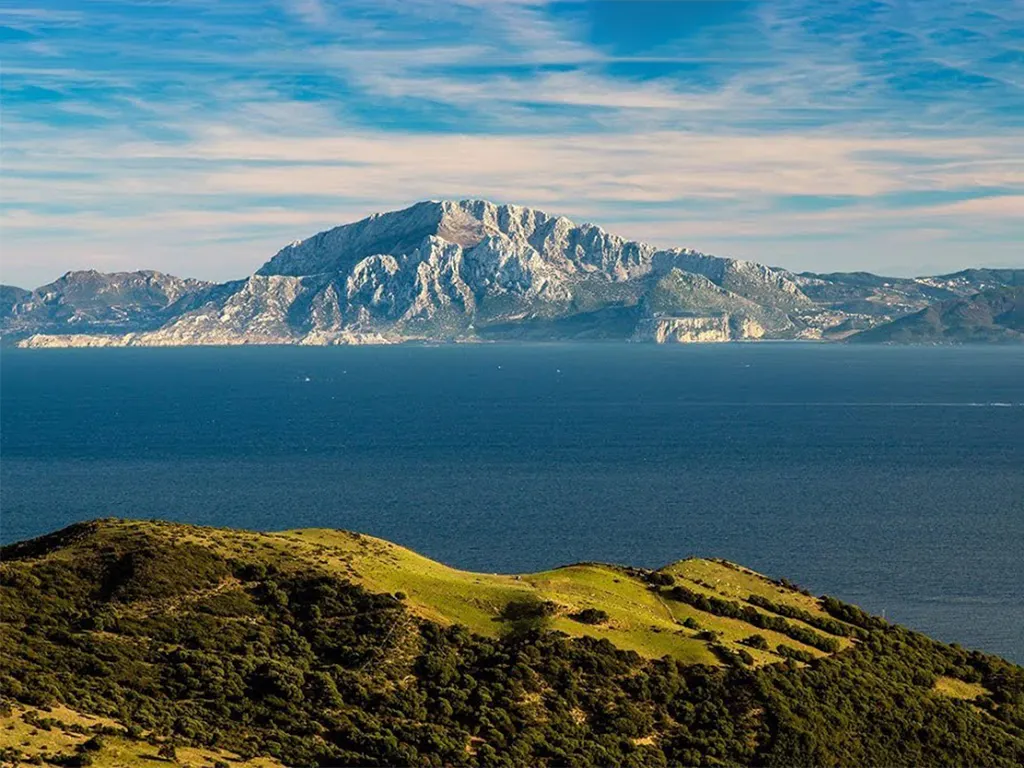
(994,315)
(469,271)
(94,302)
(865,293)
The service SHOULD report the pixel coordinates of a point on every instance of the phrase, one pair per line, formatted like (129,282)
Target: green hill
(127,641)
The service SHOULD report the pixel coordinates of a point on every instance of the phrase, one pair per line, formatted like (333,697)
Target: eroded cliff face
(718,328)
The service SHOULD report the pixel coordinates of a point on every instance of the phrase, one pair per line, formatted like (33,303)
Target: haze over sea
(890,477)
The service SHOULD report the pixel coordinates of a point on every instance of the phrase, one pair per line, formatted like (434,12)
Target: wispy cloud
(789,131)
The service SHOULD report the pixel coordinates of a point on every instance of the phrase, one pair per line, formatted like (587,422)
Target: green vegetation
(590,616)
(959,689)
(748,613)
(126,642)
(61,736)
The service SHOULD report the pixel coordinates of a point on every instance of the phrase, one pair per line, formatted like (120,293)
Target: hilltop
(471,270)
(130,640)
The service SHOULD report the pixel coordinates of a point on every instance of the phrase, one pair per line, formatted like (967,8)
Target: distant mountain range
(995,315)
(475,271)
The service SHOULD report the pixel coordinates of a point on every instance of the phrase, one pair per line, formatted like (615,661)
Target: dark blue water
(890,477)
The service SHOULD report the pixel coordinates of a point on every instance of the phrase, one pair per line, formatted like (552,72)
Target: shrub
(756,641)
(167,752)
(95,744)
(661,579)
(528,608)
(528,614)
(590,616)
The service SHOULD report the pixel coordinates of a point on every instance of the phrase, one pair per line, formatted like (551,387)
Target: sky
(197,137)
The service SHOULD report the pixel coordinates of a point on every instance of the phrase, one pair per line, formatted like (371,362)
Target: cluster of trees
(590,616)
(825,624)
(736,610)
(311,669)
(851,614)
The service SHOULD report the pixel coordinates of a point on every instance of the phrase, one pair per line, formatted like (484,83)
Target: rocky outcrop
(716,328)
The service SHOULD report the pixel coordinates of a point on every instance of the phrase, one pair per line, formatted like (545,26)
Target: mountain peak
(465,223)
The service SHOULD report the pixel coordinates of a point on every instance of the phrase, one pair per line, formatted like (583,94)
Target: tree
(527,614)
(168,752)
(590,616)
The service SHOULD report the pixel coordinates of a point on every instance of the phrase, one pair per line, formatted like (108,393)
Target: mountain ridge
(994,315)
(472,270)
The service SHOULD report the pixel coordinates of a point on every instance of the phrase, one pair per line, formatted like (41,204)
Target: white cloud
(310,11)
(199,157)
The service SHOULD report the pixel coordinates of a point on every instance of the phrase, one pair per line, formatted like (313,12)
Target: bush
(526,615)
(167,752)
(661,579)
(756,641)
(95,744)
(528,608)
(590,616)
(796,654)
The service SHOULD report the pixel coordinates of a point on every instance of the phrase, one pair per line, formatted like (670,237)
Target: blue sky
(199,136)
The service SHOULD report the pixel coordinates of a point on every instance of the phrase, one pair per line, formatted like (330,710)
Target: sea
(890,477)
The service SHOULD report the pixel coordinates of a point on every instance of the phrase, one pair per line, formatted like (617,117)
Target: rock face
(93,302)
(698,329)
(469,270)
(995,315)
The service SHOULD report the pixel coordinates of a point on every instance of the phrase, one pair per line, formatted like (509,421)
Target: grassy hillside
(126,641)
(60,734)
(639,618)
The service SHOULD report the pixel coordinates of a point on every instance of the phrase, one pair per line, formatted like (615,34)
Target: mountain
(994,315)
(10,297)
(446,270)
(127,642)
(94,302)
(863,292)
(472,271)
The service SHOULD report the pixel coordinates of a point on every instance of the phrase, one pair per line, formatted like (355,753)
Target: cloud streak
(784,131)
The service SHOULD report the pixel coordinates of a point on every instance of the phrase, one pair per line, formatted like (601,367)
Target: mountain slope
(94,302)
(10,297)
(995,315)
(330,648)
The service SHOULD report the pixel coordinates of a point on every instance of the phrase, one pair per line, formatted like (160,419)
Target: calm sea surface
(890,477)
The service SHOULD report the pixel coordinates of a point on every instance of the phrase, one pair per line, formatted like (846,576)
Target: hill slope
(330,648)
(995,315)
